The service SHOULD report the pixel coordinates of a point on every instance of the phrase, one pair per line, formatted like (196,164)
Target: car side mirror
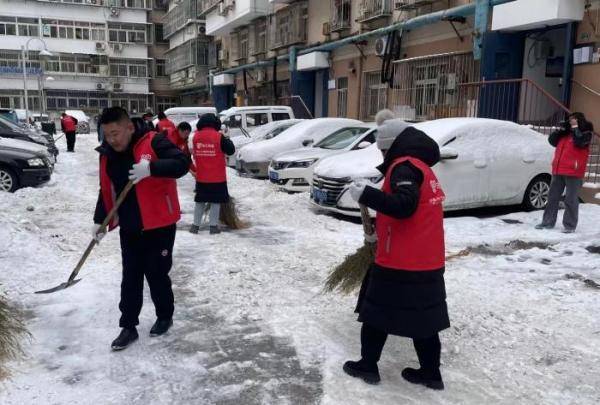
(448,154)
(364,144)
(307,142)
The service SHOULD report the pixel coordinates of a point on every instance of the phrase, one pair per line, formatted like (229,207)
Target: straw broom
(349,275)
(12,332)
(229,216)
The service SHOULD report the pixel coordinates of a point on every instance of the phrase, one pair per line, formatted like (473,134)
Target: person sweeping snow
(209,147)
(147,215)
(403,293)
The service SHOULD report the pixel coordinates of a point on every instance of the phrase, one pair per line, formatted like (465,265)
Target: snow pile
(292,138)
(252,325)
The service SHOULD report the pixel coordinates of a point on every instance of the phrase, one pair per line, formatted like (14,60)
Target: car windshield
(277,131)
(11,124)
(341,139)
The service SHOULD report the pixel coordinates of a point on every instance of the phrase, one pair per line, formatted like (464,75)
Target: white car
(253,159)
(267,131)
(484,163)
(293,171)
(241,120)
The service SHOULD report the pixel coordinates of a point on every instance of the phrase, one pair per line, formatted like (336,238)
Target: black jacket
(582,136)
(172,163)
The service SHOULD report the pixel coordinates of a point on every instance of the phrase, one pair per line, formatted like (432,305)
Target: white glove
(139,171)
(225,131)
(357,188)
(97,235)
(371,238)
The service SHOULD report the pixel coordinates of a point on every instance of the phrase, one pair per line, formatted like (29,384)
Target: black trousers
(428,349)
(70,141)
(149,254)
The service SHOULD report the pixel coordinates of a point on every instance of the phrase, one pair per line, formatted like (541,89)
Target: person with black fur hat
(209,147)
(403,293)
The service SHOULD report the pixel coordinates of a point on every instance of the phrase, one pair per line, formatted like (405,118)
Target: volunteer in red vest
(209,147)
(180,137)
(572,143)
(146,218)
(69,127)
(164,123)
(404,292)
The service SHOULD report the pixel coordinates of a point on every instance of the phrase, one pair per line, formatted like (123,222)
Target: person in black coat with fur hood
(404,293)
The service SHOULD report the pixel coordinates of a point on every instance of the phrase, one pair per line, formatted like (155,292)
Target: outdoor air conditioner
(380,46)
(261,76)
(117,87)
(100,86)
(100,46)
(201,30)
(326,29)
(114,12)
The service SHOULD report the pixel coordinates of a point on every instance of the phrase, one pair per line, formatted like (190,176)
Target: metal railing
(179,16)
(289,26)
(340,15)
(372,9)
(205,6)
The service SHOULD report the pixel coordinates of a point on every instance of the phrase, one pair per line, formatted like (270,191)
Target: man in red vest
(404,293)
(146,218)
(572,143)
(69,127)
(180,137)
(164,123)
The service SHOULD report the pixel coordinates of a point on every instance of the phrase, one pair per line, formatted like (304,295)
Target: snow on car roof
(262,130)
(255,108)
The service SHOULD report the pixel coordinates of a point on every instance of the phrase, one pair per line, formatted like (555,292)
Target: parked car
(267,131)
(83,121)
(9,129)
(241,120)
(484,163)
(186,114)
(293,171)
(253,159)
(23,164)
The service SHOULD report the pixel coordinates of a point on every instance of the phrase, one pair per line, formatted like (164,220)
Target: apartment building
(162,95)
(99,54)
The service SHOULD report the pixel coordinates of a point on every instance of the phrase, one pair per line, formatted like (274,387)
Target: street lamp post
(24,54)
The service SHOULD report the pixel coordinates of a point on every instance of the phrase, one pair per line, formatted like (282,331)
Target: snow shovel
(72,281)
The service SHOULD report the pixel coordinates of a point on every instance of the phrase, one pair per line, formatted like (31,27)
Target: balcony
(232,14)
(183,14)
(289,26)
(340,15)
(206,6)
(195,52)
(139,4)
(404,5)
(531,14)
(370,10)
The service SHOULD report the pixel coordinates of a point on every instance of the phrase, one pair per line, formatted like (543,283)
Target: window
(280,116)
(374,96)
(256,119)
(8,25)
(128,68)
(28,27)
(159,33)
(80,30)
(342,97)
(160,65)
(127,33)
(235,121)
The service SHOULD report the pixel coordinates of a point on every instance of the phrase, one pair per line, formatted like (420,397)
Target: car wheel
(8,180)
(536,195)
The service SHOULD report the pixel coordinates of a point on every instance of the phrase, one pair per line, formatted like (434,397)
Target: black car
(9,129)
(23,164)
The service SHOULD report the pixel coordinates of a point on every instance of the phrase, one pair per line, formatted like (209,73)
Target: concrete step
(590,193)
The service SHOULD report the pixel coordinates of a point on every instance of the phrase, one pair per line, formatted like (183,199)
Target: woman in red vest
(572,143)
(209,147)
(404,292)
(164,123)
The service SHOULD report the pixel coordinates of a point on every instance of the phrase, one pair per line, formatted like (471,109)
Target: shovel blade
(59,287)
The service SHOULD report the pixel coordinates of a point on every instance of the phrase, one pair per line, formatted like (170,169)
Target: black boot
(432,379)
(194,229)
(125,338)
(160,327)
(214,230)
(369,373)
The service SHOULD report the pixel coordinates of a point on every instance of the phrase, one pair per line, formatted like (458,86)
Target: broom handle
(366,220)
(102,229)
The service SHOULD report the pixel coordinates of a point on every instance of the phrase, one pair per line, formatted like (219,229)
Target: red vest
(569,160)
(415,243)
(69,124)
(165,124)
(208,157)
(156,196)
(177,140)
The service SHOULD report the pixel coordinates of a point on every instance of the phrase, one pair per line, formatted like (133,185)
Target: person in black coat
(208,147)
(396,301)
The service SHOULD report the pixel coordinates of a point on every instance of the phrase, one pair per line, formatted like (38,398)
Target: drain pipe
(417,22)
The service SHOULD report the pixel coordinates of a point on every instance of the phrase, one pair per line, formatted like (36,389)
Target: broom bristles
(349,275)
(229,216)
(12,332)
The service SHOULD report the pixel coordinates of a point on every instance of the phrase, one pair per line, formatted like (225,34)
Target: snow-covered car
(83,121)
(484,163)
(253,159)
(267,131)
(241,120)
(293,171)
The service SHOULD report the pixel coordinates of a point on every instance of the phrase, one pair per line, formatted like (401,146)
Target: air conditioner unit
(326,29)
(201,30)
(261,76)
(100,86)
(380,46)
(223,56)
(117,87)
(100,46)
(114,12)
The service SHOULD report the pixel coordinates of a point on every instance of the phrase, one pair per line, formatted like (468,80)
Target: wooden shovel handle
(366,220)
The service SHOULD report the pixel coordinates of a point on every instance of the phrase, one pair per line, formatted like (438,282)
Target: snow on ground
(253,326)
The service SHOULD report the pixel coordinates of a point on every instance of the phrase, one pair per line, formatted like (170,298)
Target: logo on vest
(435,186)
(164,253)
(146,156)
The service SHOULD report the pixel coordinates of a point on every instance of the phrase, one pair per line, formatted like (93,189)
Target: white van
(188,114)
(241,120)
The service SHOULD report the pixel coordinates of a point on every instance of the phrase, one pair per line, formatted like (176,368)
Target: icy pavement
(252,325)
